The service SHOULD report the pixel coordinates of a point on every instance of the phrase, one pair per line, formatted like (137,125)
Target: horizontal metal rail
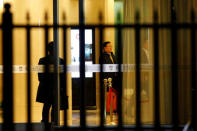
(162,25)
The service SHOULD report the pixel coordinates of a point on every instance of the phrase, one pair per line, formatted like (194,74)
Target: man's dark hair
(50,47)
(105,43)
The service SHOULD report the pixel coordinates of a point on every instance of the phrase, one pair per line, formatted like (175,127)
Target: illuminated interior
(109,10)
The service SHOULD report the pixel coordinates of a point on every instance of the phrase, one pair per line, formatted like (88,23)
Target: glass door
(90,87)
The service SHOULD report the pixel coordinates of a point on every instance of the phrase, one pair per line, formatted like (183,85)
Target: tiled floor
(92,118)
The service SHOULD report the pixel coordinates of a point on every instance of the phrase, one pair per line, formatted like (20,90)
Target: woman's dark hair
(105,43)
(50,47)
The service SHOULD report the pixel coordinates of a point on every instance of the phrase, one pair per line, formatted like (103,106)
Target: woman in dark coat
(46,89)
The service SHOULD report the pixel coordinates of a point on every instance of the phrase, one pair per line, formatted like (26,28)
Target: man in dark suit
(109,58)
(46,89)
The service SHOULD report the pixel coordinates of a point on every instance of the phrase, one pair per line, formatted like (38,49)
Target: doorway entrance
(90,85)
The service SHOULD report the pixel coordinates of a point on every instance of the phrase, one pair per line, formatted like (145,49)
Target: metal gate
(7,28)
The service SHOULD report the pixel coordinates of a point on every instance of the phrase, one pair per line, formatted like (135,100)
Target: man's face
(108,48)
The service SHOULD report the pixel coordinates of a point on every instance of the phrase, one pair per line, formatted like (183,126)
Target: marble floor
(92,118)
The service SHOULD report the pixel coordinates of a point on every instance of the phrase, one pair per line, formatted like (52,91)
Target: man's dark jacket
(46,89)
(106,60)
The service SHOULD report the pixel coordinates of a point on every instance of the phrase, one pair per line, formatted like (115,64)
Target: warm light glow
(8,1)
(1,5)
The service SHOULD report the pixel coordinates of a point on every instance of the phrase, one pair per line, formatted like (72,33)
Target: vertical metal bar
(120,62)
(174,63)
(102,118)
(82,64)
(29,126)
(156,72)
(137,59)
(65,65)
(193,70)
(105,103)
(7,70)
(46,38)
(56,62)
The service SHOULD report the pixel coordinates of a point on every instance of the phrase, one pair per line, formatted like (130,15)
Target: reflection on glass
(75,57)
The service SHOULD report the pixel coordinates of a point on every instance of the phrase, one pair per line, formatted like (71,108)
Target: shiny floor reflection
(92,118)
